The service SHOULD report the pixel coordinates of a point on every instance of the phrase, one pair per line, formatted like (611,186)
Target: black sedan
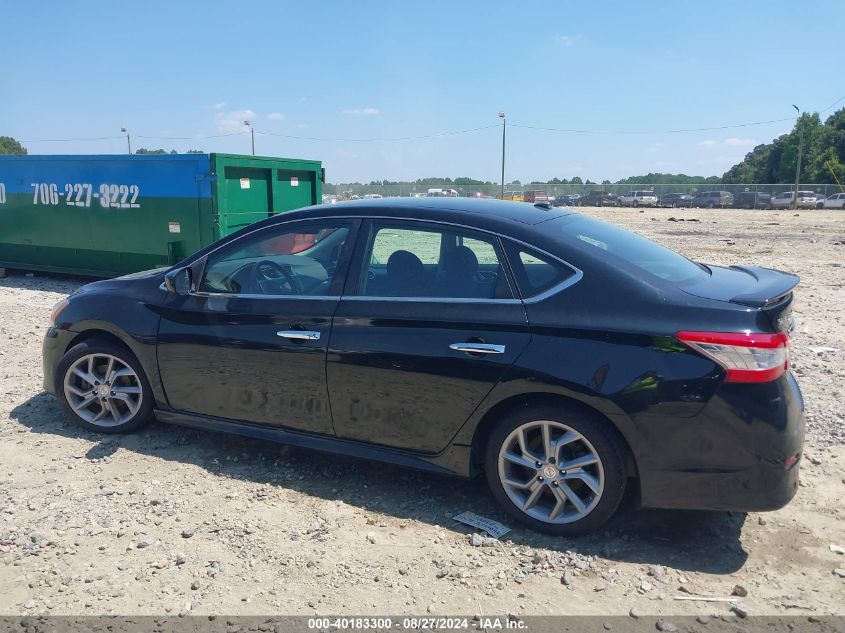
(567,359)
(598,199)
(675,200)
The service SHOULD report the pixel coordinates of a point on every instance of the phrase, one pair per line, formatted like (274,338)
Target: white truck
(638,199)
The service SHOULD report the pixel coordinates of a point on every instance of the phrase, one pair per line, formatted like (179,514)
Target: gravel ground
(171,520)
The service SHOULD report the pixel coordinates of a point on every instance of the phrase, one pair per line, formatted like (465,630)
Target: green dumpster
(110,215)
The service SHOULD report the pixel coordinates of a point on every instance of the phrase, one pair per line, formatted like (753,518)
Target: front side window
(435,262)
(296,260)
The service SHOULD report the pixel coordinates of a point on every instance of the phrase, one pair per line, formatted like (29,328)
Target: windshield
(633,249)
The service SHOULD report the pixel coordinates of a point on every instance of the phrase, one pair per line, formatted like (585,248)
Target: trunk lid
(763,288)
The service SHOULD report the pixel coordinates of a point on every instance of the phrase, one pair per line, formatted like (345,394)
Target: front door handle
(299,335)
(478,348)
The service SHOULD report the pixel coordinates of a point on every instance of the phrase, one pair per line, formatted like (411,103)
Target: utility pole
(252,133)
(800,124)
(128,142)
(504,125)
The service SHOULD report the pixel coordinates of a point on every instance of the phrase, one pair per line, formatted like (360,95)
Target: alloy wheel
(551,472)
(103,390)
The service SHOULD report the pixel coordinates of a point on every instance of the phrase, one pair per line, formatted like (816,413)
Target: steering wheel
(268,273)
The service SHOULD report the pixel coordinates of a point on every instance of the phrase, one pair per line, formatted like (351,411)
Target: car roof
(489,214)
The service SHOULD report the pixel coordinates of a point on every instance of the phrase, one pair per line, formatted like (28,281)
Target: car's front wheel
(556,470)
(103,387)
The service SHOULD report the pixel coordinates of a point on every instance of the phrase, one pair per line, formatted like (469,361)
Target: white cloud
(301,126)
(275,116)
(728,142)
(564,40)
(361,111)
(232,121)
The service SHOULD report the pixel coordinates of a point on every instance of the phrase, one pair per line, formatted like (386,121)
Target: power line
(70,140)
(434,135)
(834,104)
(378,140)
(188,138)
(679,131)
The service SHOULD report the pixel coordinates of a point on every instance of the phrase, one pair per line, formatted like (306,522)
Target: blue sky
(366,70)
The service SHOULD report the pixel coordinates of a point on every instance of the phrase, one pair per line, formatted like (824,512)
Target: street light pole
(252,133)
(800,124)
(128,142)
(504,125)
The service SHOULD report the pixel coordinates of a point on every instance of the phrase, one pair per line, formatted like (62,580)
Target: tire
(117,403)
(599,498)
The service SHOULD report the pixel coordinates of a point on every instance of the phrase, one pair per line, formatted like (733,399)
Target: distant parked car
(806,200)
(598,199)
(512,195)
(835,201)
(712,199)
(372,196)
(753,200)
(675,200)
(568,200)
(535,196)
(638,199)
(441,193)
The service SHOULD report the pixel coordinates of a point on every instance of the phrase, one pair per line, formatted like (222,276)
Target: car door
(428,325)
(249,342)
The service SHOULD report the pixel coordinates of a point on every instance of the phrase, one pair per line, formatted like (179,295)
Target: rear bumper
(738,454)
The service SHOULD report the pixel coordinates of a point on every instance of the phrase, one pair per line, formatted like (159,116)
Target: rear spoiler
(772,286)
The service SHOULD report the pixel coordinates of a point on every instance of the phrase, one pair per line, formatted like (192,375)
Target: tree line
(822,161)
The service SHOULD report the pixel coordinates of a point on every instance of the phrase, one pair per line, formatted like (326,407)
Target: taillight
(746,356)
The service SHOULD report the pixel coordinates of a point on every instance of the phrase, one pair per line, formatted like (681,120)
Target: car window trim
(354,260)
(341,271)
(356,270)
(513,246)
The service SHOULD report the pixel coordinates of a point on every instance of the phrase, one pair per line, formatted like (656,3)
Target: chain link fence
(555,190)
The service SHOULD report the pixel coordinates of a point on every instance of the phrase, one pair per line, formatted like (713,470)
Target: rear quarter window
(536,273)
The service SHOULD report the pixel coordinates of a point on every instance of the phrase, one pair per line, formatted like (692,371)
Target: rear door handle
(478,348)
(299,335)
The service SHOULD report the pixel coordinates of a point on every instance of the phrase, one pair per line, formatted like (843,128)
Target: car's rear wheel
(104,388)
(556,470)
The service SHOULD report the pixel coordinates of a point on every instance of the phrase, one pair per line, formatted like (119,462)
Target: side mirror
(178,281)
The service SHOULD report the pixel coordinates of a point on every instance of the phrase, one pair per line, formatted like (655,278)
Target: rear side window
(429,261)
(536,273)
(600,240)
